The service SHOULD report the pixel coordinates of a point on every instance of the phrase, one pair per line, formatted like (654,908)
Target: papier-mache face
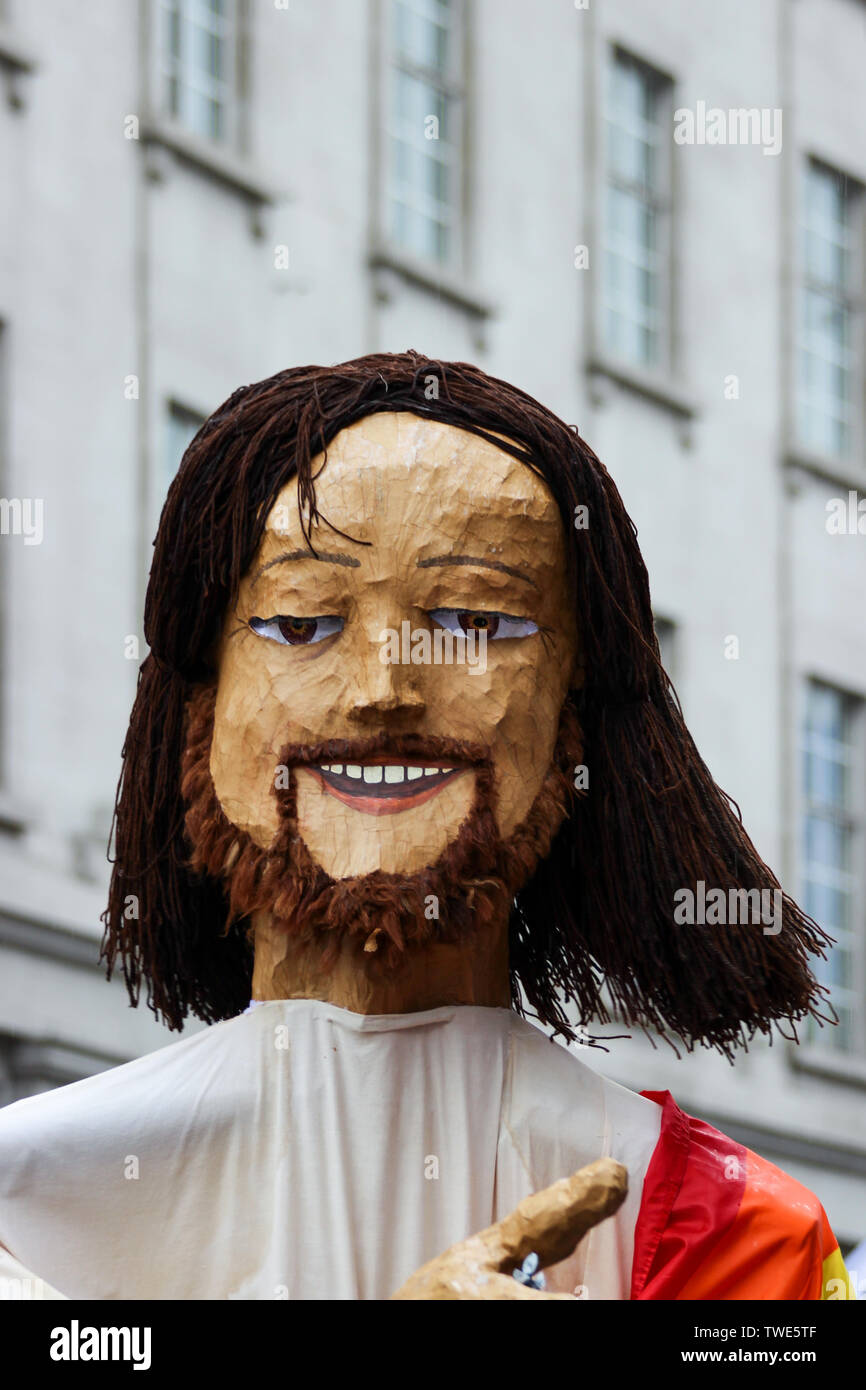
(355,810)
(427,537)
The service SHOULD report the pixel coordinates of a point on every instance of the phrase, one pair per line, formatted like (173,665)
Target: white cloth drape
(303,1151)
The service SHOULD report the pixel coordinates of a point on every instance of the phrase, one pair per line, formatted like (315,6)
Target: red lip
(380,798)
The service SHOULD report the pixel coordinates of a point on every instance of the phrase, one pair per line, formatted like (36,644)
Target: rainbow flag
(719,1222)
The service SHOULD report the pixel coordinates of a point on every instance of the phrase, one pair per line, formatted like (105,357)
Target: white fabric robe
(302,1151)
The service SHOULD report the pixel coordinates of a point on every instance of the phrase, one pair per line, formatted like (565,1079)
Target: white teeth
(389,772)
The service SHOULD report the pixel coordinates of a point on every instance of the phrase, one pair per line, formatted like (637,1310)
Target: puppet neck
(435,974)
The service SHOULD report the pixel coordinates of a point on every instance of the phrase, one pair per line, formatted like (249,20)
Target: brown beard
(472,883)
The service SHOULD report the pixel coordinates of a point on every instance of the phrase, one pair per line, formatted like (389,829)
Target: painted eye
(296,632)
(494,625)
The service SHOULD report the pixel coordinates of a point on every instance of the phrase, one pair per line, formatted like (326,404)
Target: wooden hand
(550,1223)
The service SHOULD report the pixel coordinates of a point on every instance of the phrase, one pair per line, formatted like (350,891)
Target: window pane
(829,907)
(627,338)
(826,197)
(631,225)
(825,361)
(825,779)
(632,89)
(633,270)
(825,325)
(826,843)
(419,37)
(827,713)
(197,52)
(826,259)
(630,289)
(214,56)
(631,157)
(174,32)
(829,836)
(423,169)
(415,100)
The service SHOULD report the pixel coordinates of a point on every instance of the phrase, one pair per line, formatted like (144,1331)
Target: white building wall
(123,259)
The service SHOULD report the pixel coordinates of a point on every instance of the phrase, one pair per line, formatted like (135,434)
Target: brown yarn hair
(594,926)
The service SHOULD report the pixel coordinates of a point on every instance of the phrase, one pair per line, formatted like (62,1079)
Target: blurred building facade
(650,217)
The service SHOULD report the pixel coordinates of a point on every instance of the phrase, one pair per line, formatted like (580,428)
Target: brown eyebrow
(476,560)
(328,557)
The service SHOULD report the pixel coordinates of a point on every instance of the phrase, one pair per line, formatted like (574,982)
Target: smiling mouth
(383,788)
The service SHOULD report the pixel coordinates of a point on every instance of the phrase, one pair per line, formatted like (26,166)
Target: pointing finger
(551,1222)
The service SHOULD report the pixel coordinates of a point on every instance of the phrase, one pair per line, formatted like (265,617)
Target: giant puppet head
(404,697)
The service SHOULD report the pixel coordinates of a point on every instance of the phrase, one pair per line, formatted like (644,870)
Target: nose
(383,689)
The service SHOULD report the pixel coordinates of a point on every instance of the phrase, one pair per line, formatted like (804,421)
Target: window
(197,65)
(636,213)
(665,631)
(832,849)
(827,318)
(181,426)
(424,128)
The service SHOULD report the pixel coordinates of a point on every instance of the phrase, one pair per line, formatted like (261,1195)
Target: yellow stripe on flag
(836,1282)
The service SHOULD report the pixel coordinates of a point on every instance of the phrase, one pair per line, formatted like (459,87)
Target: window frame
(853,297)
(453,86)
(817,1045)
(661,201)
(235,137)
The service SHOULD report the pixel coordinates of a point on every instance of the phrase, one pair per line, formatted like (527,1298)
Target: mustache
(432,747)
